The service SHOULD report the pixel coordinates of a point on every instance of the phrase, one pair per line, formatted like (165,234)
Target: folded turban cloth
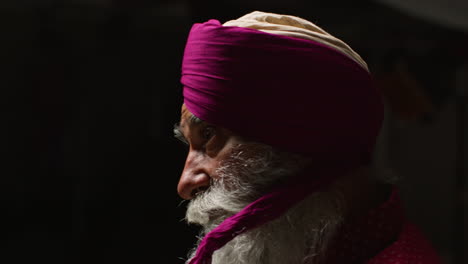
(283,81)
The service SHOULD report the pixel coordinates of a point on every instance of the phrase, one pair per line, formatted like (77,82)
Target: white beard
(299,236)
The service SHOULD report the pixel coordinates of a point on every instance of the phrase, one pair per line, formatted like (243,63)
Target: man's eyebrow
(195,120)
(179,135)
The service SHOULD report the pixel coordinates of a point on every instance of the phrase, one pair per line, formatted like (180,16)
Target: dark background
(90,92)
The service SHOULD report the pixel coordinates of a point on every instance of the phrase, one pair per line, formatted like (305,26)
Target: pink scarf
(263,210)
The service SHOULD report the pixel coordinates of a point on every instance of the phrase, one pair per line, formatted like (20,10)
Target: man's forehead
(185,115)
(187,118)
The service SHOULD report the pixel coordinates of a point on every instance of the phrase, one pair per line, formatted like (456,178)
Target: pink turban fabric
(297,95)
(294,94)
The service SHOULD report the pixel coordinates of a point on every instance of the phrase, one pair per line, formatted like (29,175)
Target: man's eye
(208,132)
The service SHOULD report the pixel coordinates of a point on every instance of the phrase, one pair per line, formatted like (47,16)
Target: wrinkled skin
(209,145)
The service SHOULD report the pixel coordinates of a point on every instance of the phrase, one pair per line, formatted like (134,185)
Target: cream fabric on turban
(293,26)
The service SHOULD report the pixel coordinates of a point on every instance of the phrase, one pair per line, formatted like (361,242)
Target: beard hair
(299,236)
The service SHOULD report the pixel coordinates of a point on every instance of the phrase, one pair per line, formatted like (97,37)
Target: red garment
(383,236)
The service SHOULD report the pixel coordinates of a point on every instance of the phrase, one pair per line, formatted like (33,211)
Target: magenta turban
(297,95)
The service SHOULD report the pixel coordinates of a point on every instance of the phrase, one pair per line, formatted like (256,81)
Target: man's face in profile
(208,146)
(223,173)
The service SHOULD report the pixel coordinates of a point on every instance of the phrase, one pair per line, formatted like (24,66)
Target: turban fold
(311,95)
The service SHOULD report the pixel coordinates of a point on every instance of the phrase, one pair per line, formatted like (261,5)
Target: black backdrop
(89,97)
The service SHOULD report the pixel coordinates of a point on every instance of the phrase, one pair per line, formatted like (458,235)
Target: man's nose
(194,177)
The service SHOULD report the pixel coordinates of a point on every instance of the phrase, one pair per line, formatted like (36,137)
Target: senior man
(281,120)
